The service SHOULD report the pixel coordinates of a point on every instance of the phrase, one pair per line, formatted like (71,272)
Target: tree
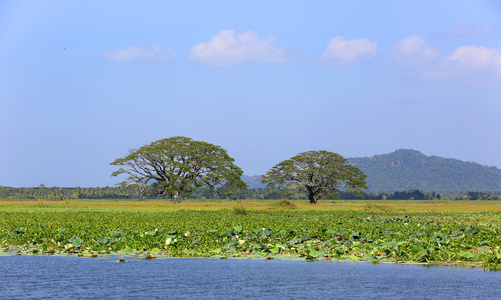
(179,165)
(321,173)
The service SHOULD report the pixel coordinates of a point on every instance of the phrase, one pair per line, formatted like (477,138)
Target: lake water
(56,277)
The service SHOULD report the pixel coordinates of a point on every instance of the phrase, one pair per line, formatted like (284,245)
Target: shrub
(282,204)
(239,210)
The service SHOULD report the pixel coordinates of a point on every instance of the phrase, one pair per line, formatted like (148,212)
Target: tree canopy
(178,166)
(320,174)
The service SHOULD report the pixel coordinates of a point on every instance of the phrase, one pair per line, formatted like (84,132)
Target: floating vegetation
(373,235)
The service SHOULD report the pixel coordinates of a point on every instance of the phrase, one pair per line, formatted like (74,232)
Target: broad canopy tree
(320,173)
(179,165)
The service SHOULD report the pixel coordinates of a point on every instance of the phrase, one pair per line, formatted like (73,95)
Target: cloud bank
(341,52)
(228,48)
(471,64)
(468,31)
(131,53)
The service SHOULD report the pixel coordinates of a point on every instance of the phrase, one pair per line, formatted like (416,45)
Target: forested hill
(253,182)
(410,169)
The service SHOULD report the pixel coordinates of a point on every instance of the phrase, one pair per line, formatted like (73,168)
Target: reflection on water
(25,277)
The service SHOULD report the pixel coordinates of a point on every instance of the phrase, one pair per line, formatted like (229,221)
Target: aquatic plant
(373,235)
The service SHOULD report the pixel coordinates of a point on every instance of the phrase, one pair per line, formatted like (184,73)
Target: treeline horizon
(203,193)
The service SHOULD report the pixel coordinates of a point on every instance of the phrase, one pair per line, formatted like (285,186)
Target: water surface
(56,277)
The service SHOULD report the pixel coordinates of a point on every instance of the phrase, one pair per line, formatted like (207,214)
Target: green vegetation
(318,174)
(114,193)
(282,204)
(409,169)
(404,174)
(375,232)
(178,166)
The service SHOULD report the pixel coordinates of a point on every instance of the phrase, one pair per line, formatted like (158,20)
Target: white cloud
(131,53)
(473,65)
(228,48)
(341,52)
(413,50)
(476,66)
(476,58)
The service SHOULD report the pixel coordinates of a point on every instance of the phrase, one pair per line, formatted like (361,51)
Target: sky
(82,82)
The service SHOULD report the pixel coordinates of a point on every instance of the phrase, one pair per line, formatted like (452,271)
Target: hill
(410,169)
(254,182)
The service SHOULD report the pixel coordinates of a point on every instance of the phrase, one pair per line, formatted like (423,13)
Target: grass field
(453,232)
(323,205)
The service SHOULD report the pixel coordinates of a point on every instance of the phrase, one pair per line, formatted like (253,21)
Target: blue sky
(81,83)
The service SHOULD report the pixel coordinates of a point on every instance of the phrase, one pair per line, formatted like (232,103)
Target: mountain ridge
(406,169)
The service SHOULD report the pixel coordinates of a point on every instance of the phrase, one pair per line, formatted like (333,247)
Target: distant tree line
(122,192)
(61,193)
(412,194)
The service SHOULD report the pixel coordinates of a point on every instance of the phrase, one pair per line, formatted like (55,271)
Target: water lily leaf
(237,229)
(276,249)
(127,250)
(369,257)
(467,255)
(170,241)
(310,257)
(102,240)
(155,251)
(77,243)
(416,248)
(16,233)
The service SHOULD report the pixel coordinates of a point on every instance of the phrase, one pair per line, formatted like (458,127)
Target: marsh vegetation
(393,231)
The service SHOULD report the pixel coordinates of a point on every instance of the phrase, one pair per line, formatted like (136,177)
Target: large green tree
(179,165)
(320,174)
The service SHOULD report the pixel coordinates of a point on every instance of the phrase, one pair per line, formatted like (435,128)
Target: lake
(59,277)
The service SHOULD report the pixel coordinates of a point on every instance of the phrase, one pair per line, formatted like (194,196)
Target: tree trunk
(312,197)
(174,197)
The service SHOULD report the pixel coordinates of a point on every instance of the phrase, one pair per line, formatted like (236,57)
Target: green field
(451,232)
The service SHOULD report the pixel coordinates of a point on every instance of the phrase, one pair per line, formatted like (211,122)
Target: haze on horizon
(81,83)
